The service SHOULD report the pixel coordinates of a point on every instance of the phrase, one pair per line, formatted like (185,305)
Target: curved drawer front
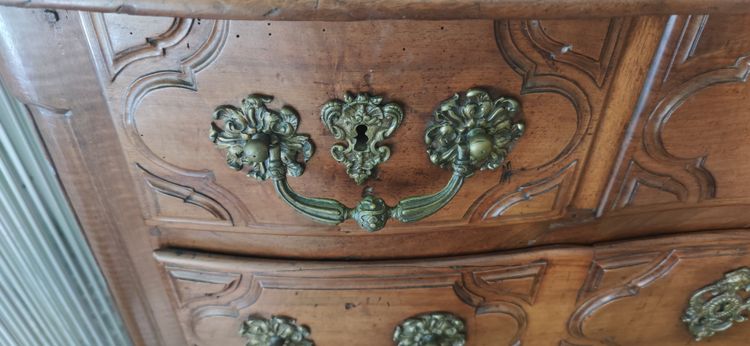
(569,97)
(545,297)
(314,76)
(309,140)
(488,299)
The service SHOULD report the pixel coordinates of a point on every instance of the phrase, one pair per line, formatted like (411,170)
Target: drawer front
(574,296)
(414,65)
(495,297)
(671,297)
(600,157)
(189,192)
(576,169)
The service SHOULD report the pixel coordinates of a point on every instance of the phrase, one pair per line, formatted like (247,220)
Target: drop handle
(470,132)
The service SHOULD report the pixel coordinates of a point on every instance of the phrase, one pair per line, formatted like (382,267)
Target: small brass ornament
(277,331)
(432,329)
(488,127)
(363,122)
(248,132)
(718,306)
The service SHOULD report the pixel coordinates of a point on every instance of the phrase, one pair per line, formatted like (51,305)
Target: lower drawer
(630,293)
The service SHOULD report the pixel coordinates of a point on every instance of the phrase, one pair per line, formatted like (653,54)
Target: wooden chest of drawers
(242,169)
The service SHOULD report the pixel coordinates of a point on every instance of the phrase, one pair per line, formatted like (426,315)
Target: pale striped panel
(51,291)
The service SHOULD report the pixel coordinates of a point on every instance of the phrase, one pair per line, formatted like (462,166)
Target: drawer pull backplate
(718,306)
(276,331)
(432,329)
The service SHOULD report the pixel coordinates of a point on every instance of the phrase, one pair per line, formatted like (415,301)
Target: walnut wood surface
(335,10)
(631,293)
(636,127)
(571,178)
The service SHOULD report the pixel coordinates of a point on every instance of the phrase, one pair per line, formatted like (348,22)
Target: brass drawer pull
(470,132)
(431,329)
(276,331)
(718,306)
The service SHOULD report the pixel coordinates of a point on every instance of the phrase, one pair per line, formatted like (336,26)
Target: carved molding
(639,176)
(187,195)
(183,77)
(519,51)
(116,61)
(497,202)
(685,75)
(224,282)
(580,79)
(172,63)
(213,35)
(597,67)
(591,298)
(690,35)
(484,288)
(703,185)
(648,267)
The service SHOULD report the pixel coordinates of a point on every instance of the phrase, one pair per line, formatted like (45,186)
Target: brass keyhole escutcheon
(360,122)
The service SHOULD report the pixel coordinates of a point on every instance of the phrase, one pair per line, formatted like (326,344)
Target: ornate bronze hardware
(363,123)
(484,127)
(432,329)
(277,331)
(718,306)
(250,130)
(469,132)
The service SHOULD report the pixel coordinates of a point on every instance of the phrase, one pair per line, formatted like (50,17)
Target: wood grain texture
(346,10)
(119,57)
(567,296)
(574,79)
(647,284)
(562,96)
(636,127)
(566,76)
(361,303)
(666,162)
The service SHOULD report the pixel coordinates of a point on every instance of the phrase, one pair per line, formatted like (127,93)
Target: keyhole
(360,143)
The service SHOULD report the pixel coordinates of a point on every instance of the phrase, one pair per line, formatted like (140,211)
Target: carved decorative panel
(121,46)
(336,300)
(165,194)
(648,286)
(551,65)
(687,146)
(562,93)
